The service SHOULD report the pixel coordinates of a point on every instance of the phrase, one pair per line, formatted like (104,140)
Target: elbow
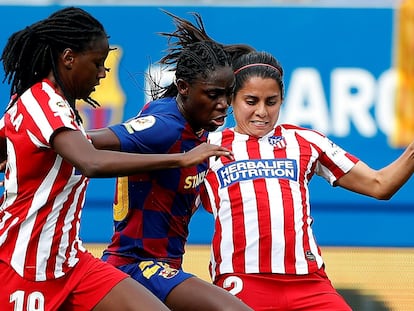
(90,173)
(384,195)
(383,190)
(90,169)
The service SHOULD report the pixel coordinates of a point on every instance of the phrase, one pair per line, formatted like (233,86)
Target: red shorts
(80,289)
(271,292)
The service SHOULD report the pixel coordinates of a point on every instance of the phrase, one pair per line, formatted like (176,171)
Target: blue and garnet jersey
(152,210)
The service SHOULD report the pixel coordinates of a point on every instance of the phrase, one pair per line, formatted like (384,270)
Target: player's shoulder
(299,130)
(165,111)
(166,107)
(160,115)
(44,95)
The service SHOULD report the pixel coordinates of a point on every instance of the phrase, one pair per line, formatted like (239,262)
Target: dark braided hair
(258,68)
(31,53)
(191,55)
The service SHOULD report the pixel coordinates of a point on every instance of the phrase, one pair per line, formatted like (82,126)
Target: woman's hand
(202,152)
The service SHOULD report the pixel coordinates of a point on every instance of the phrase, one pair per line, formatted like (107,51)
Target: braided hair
(191,54)
(31,53)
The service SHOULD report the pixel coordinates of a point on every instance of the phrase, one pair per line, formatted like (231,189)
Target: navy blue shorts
(156,276)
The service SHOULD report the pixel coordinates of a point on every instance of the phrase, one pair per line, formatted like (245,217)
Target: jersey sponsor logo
(253,169)
(140,124)
(194,181)
(279,142)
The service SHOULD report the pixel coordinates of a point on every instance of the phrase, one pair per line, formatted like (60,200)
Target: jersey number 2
(235,282)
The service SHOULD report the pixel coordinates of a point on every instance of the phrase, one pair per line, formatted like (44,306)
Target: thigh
(316,292)
(158,277)
(100,286)
(90,282)
(129,295)
(272,292)
(198,295)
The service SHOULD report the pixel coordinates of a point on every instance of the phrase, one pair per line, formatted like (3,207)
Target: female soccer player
(264,250)
(152,210)
(43,265)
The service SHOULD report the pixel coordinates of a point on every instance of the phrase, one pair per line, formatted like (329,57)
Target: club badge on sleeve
(140,124)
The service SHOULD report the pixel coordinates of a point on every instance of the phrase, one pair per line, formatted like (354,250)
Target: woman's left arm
(381,184)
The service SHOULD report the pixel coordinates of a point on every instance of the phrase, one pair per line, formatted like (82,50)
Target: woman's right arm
(76,149)
(104,138)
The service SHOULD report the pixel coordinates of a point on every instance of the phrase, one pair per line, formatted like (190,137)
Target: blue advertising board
(339,78)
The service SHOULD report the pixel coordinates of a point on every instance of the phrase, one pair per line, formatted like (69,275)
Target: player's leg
(99,286)
(315,292)
(269,292)
(197,294)
(180,290)
(130,295)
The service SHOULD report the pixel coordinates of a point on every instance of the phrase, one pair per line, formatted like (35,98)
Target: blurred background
(349,72)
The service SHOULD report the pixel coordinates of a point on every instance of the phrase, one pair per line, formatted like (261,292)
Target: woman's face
(87,69)
(256,106)
(205,101)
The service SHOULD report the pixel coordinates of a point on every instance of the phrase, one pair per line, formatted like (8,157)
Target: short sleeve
(148,134)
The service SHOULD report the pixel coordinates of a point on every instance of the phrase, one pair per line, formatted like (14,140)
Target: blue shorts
(156,276)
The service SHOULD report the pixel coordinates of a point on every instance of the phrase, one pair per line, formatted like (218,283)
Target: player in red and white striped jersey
(263,249)
(43,265)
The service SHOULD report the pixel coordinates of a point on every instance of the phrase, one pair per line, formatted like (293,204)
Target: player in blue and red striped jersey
(152,210)
(43,264)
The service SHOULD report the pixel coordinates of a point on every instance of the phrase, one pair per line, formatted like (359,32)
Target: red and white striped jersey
(260,201)
(44,194)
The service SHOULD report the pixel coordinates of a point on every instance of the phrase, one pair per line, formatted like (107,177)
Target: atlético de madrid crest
(279,142)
